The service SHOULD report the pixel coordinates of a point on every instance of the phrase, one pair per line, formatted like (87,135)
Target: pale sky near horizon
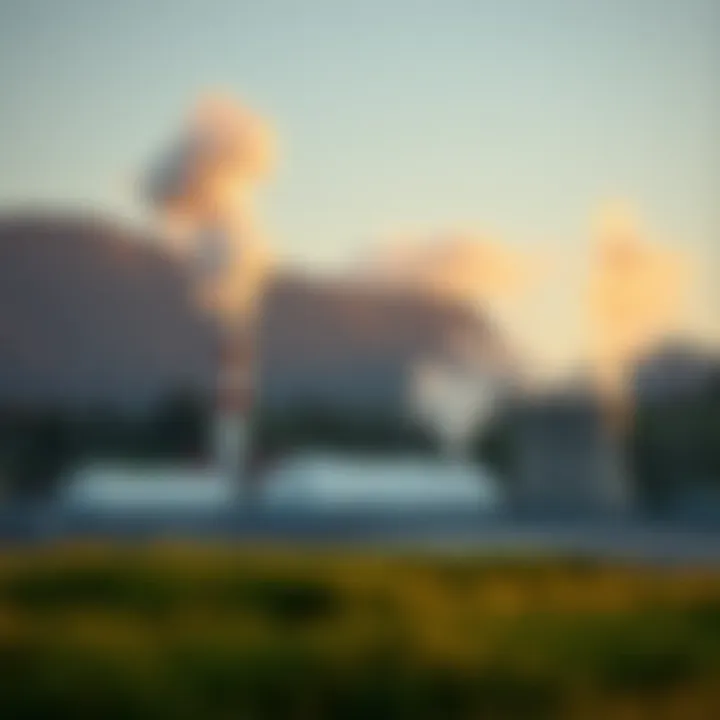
(519,118)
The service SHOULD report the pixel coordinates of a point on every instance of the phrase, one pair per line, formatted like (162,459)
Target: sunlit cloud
(636,292)
(203,190)
(458,265)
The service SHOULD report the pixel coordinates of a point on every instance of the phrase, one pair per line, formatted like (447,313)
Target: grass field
(200,632)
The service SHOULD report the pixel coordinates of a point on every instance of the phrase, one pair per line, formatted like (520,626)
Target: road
(456,532)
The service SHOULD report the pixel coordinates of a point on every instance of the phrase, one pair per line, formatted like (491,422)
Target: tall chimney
(233,401)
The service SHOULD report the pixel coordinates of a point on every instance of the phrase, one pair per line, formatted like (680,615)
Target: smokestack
(206,185)
(234,399)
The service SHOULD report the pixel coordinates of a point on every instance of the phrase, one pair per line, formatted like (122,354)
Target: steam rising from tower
(637,294)
(203,189)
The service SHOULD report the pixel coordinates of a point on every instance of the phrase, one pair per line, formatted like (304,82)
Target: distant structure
(323,482)
(356,348)
(93,314)
(111,323)
(568,459)
(676,388)
(672,370)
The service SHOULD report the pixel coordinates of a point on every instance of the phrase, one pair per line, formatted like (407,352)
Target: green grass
(186,632)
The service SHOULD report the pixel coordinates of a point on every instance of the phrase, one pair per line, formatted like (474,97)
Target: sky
(518,119)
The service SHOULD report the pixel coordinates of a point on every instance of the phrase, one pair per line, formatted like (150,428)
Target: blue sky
(515,117)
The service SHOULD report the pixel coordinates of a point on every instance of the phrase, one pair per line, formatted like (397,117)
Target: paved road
(433,532)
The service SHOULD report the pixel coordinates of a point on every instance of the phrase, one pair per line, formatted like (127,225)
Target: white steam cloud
(213,168)
(203,190)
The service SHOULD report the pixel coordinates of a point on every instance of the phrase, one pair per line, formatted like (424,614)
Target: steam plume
(457,265)
(214,166)
(203,189)
(636,293)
